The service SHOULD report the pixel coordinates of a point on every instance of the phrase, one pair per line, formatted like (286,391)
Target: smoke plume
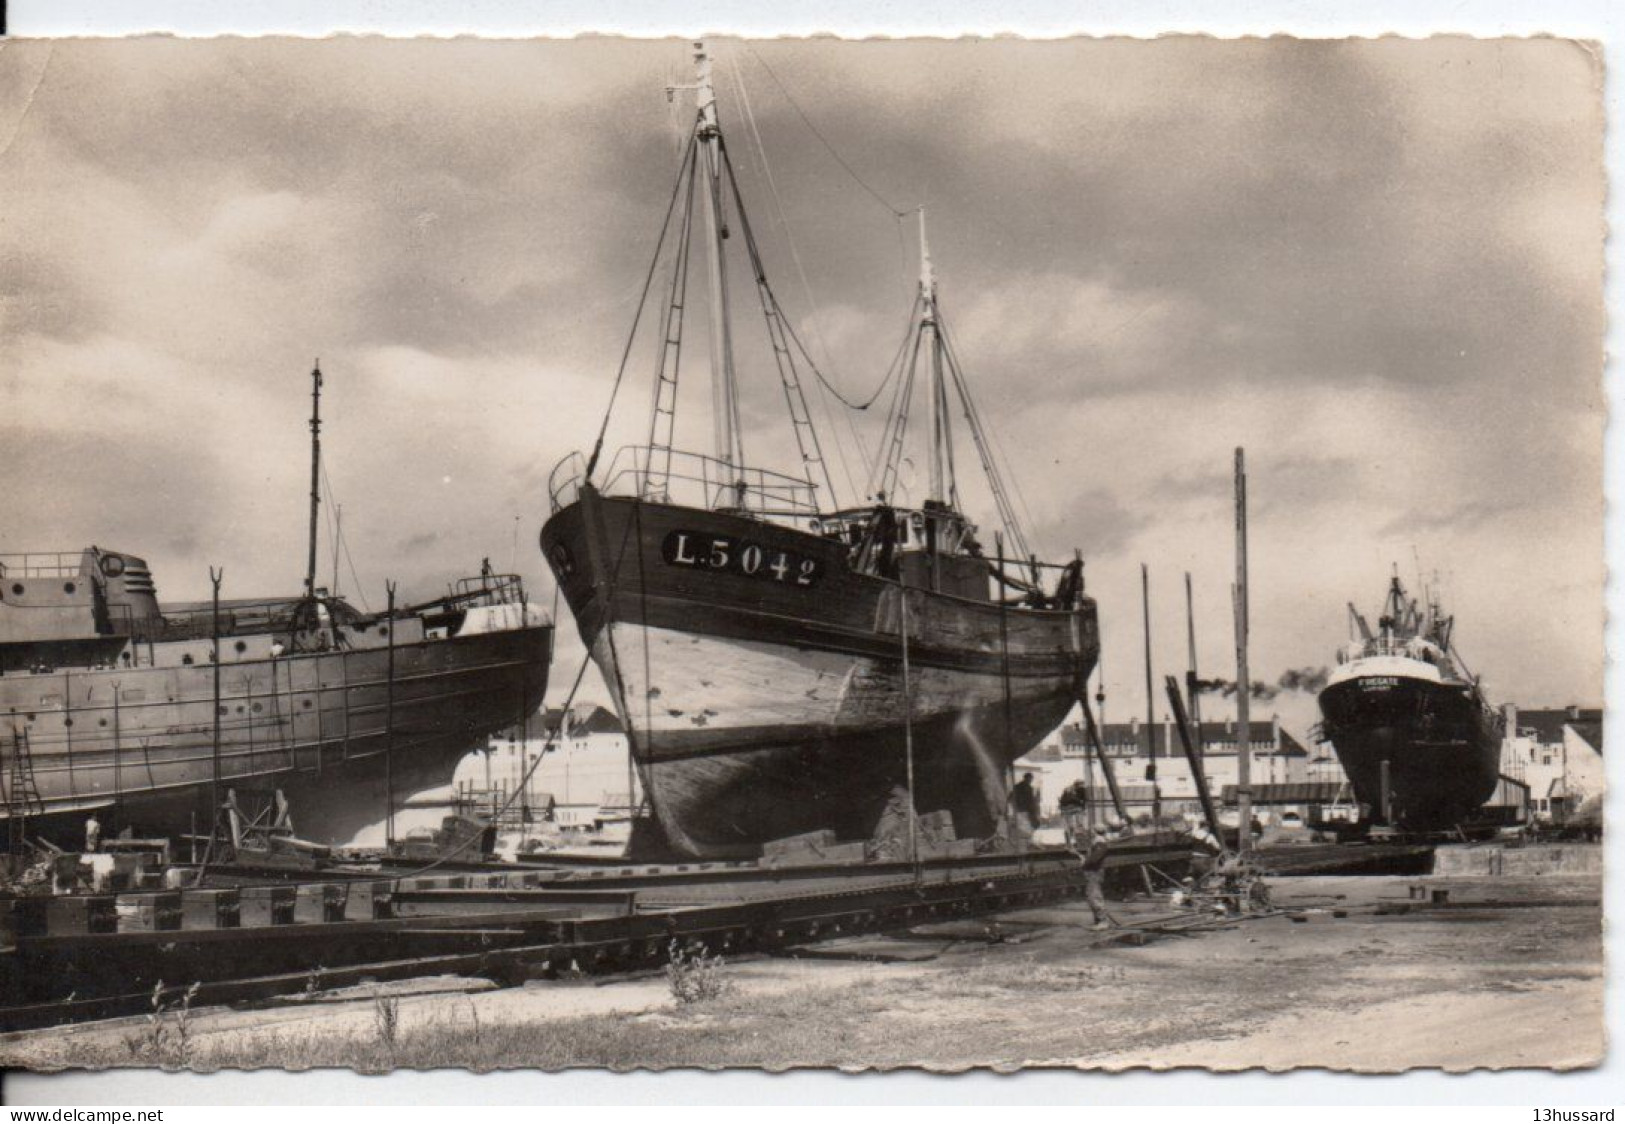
(1306,679)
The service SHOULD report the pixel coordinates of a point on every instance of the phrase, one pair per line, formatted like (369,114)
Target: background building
(1278,760)
(1557,752)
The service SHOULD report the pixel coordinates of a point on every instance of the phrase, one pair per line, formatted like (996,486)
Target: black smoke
(1306,679)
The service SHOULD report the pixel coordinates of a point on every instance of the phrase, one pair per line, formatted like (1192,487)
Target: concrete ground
(1455,989)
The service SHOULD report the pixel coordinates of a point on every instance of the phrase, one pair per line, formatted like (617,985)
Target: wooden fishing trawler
(1419,742)
(785,664)
(144,714)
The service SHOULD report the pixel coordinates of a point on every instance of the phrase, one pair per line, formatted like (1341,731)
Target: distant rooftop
(1547,723)
(1217,738)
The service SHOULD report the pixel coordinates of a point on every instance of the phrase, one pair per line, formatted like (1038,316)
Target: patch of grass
(693,974)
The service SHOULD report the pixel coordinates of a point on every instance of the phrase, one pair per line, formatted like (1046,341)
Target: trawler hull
(136,744)
(1441,745)
(762,680)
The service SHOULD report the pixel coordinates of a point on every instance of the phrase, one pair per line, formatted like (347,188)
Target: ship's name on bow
(727,554)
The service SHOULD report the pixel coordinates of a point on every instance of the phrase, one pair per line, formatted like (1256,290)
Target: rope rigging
(643,299)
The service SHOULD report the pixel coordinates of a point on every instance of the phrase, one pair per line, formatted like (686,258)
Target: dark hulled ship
(143,713)
(1419,743)
(784,664)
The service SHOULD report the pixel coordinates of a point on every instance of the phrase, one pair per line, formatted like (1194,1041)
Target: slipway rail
(85,957)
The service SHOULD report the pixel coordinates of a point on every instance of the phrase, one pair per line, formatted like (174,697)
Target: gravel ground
(1457,989)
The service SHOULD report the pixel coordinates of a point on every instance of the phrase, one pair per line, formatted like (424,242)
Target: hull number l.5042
(725,553)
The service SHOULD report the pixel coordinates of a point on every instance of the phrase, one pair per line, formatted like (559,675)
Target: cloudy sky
(1376,265)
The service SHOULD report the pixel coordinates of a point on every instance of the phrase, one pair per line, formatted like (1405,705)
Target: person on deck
(93,834)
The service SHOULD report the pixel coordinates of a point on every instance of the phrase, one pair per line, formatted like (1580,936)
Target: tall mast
(315,471)
(724,406)
(1190,675)
(1244,728)
(1150,703)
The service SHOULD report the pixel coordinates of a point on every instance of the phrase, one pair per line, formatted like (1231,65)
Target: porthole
(67,722)
(17,588)
(307,704)
(68,587)
(101,722)
(258,707)
(241,646)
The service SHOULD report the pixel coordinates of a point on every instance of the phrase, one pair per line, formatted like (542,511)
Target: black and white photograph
(949,553)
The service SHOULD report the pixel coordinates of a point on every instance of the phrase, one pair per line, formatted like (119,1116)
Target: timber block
(798,843)
(211,909)
(268,905)
(320,904)
(81,913)
(149,912)
(370,901)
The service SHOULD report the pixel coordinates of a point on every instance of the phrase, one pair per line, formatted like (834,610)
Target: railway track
(95,958)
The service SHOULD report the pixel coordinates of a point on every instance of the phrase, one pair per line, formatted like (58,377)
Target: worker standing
(1094,875)
(1074,804)
(93,834)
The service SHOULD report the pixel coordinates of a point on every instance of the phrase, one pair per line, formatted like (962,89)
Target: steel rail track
(506,935)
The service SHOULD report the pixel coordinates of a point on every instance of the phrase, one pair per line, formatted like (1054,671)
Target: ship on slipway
(141,713)
(785,662)
(1410,725)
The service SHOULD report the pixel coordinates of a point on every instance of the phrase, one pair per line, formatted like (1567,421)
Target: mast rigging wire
(643,300)
(742,96)
(879,198)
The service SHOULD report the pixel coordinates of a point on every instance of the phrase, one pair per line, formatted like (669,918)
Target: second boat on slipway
(113,704)
(784,664)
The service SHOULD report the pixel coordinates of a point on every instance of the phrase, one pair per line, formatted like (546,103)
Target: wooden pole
(908,729)
(1105,762)
(1191,681)
(1150,704)
(389,722)
(1244,747)
(1009,735)
(1193,755)
(215,577)
(315,471)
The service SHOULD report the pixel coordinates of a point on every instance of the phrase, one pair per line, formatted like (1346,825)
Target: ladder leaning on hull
(22,793)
